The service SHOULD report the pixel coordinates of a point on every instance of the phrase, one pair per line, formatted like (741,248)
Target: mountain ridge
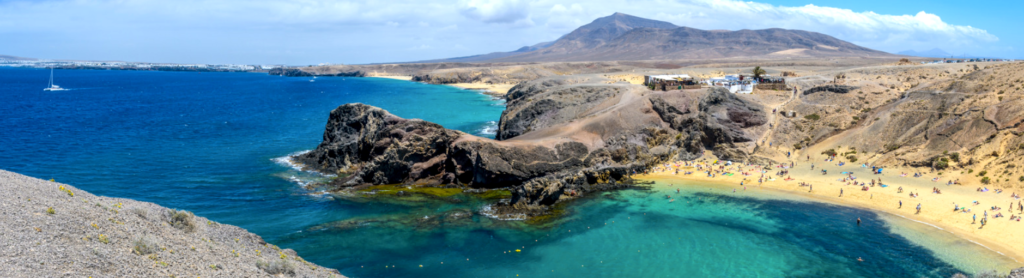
(625,37)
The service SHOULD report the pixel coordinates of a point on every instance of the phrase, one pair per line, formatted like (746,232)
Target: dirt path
(772,118)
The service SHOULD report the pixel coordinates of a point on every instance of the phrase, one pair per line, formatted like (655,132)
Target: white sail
(51,86)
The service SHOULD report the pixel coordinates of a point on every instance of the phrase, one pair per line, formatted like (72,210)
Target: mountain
(489,56)
(624,37)
(934,53)
(15,58)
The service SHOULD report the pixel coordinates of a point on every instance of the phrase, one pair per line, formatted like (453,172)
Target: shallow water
(207,143)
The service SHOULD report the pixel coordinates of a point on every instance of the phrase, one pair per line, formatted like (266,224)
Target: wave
(289,160)
(490,212)
(298,175)
(954,234)
(491,128)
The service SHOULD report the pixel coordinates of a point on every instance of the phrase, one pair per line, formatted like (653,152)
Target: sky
(304,32)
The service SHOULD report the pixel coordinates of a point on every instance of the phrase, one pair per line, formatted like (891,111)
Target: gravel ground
(55,230)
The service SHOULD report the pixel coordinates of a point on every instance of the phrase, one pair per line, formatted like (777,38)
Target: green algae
(496,194)
(394,189)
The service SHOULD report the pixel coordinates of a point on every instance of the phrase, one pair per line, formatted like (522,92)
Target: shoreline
(998,235)
(395,77)
(497,90)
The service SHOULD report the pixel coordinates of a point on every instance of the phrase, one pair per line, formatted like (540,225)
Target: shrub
(144,246)
(277,267)
(183,220)
(829,152)
(970,171)
(1021,178)
(891,147)
(985,180)
(798,146)
(852,158)
(955,157)
(982,173)
(50,210)
(140,212)
(813,117)
(995,153)
(941,163)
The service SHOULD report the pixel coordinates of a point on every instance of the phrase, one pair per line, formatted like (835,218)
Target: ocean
(213,143)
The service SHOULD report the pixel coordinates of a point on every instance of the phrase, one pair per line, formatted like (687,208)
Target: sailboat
(52,86)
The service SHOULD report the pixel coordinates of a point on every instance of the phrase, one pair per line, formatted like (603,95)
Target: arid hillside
(945,118)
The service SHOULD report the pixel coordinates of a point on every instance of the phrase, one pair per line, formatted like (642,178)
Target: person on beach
(901,204)
(841,195)
(974,219)
(918,207)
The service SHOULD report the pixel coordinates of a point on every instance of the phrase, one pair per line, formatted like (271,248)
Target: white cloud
(880,31)
(495,11)
(362,31)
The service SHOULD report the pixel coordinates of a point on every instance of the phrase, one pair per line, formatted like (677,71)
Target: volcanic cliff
(559,138)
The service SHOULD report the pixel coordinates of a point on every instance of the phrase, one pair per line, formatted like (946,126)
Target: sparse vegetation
(277,267)
(813,117)
(50,210)
(941,163)
(891,147)
(103,238)
(182,220)
(144,246)
(986,180)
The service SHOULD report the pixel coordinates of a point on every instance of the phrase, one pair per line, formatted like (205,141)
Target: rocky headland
(559,139)
(56,230)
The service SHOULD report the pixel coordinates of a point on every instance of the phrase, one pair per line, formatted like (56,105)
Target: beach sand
(491,89)
(396,77)
(999,234)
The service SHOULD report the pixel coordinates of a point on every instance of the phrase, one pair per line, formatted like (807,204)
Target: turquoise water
(208,143)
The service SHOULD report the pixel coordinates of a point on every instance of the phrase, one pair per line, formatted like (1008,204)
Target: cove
(207,143)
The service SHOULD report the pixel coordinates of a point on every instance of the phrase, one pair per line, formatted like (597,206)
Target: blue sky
(302,32)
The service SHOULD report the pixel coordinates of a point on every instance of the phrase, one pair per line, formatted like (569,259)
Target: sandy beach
(396,77)
(491,89)
(999,234)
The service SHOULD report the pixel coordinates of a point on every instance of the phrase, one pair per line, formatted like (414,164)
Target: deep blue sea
(210,143)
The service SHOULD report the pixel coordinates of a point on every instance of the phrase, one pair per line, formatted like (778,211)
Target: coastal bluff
(554,147)
(56,230)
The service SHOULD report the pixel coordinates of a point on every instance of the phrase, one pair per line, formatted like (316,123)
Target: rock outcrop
(367,145)
(289,72)
(296,72)
(560,140)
